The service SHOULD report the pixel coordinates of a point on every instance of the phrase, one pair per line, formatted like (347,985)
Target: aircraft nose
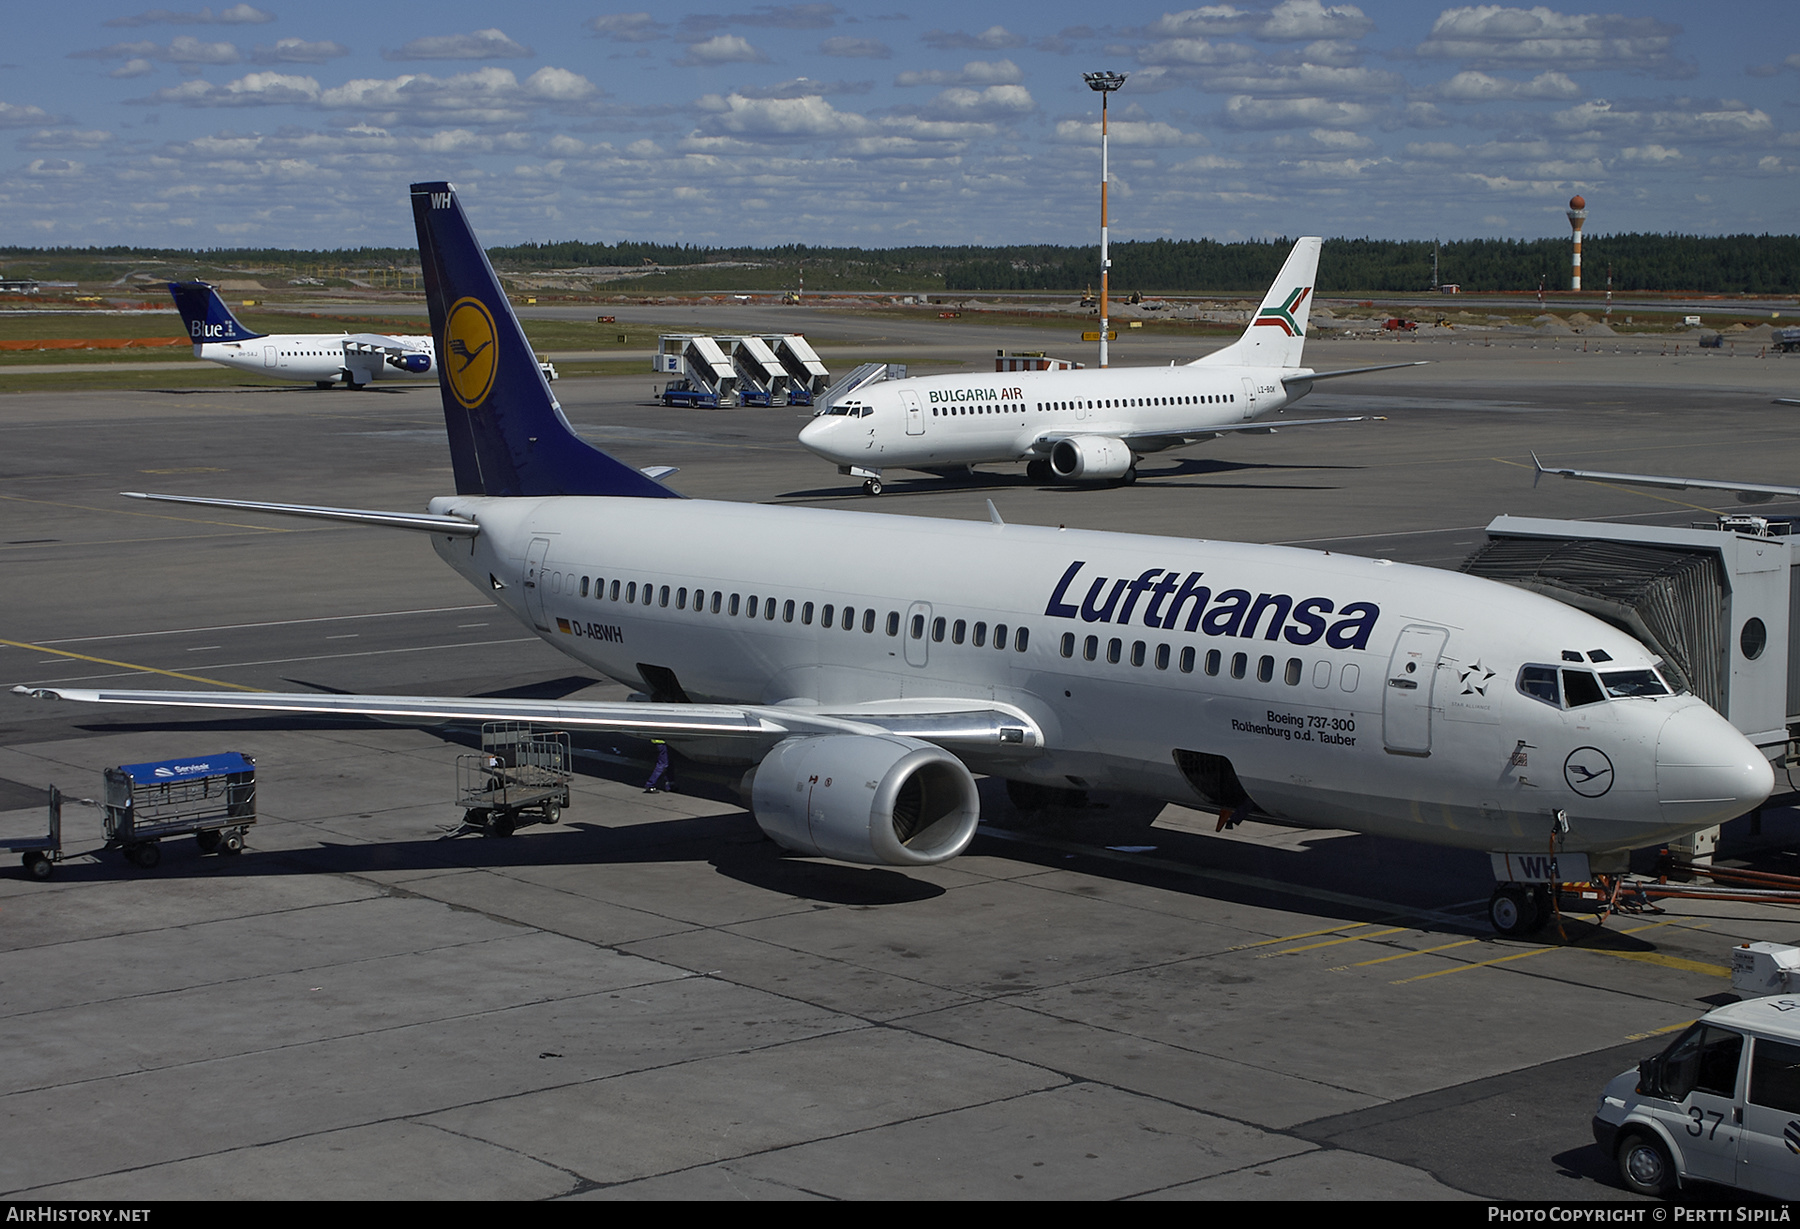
(816,436)
(1707,772)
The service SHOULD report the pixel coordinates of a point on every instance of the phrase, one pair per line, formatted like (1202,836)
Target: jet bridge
(705,375)
(808,375)
(762,379)
(1715,601)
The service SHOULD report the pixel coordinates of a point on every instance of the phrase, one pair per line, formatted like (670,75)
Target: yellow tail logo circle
(470,338)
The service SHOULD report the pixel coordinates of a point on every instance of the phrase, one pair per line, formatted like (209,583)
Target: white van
(1721,1104)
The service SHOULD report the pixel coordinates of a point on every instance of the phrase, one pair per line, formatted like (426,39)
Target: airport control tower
(1577,215)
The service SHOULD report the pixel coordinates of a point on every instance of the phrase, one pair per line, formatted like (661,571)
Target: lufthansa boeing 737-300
(1085,426)
(863,667)
(323,358)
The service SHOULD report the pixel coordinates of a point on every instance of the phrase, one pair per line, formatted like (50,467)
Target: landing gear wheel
(37,865)
(209,840)
(1645,1167)
(321,383)
(872,486)
(1037,471)
(1511,910)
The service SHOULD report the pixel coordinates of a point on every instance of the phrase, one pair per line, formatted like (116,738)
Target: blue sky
(286,125)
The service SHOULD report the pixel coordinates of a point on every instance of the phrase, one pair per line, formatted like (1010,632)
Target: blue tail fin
(508,435)
(205,314)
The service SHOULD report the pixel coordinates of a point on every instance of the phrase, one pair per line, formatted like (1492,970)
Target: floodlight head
(1105,83)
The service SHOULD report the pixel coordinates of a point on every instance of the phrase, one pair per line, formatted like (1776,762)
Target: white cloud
(722,49)
(14,116)
(236,15)
(1474,86)
(133,68)
(975,72)
(856,48)
(481,45)
(1308,80)
(65,138)
(629,27)
(182,49)
(1655,155)
(298,51)
(1144,133)
(1180,52)
(251,90)
(995,102)
(810,116)
(1243,111)
(991,39)
(1490,34)
(1723,121)
(1289,21)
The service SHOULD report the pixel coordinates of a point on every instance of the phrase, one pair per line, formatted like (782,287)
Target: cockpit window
(1633,683)
(1539,682)
(1581,687)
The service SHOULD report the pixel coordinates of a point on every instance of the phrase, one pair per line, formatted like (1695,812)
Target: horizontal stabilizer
(1307,377)
(454,526)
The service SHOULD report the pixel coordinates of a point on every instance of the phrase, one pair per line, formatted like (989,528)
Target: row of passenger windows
(1213,663)
(957,411)
(830,614)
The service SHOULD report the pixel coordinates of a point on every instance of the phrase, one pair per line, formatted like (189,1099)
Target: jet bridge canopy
(1714,602)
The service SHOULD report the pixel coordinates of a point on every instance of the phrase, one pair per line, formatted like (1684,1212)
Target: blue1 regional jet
(324,358)
(863,679)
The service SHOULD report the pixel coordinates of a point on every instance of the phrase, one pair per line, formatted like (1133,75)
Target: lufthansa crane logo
(469,337)
(1588,772)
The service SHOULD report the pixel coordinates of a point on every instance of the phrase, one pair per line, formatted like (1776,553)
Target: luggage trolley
(41,853)
(520,771)
(212,796)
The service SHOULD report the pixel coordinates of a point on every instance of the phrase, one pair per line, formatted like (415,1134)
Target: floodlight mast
(1103,83)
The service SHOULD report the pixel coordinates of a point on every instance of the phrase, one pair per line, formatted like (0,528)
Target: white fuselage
(1345,692)
(934,421)
(316,357)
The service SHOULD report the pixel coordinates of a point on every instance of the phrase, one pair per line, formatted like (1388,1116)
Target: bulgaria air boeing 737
(1085,426)
(863,667)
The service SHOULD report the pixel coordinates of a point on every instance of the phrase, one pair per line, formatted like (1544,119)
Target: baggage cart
(41,853)
(212,797)
(521,773)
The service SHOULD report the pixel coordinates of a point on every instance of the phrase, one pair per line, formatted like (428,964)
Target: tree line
(1728,264)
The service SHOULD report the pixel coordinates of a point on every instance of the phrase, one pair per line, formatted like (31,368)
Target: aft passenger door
(1406,700)
(915,414)
(533,581)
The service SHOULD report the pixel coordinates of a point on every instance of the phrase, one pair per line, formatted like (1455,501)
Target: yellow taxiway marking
(1310,934)
(125,665)
(1423,951)
(1289,951)
(1657,1032)
(1479,964)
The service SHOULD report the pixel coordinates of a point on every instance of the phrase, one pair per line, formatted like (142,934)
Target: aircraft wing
(380,342)
(1156,441)
(454,526)
(950,723)
(1747,492)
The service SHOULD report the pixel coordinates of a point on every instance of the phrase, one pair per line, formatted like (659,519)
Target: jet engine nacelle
(1090,457)
(877,799)
(418,364)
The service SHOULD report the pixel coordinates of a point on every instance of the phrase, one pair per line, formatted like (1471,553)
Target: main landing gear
(872,486)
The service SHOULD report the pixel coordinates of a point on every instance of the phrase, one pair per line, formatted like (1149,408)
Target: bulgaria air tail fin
(508,435)
(205,314)
(1277,333)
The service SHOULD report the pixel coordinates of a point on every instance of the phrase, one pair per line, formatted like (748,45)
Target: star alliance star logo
(1475,677)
